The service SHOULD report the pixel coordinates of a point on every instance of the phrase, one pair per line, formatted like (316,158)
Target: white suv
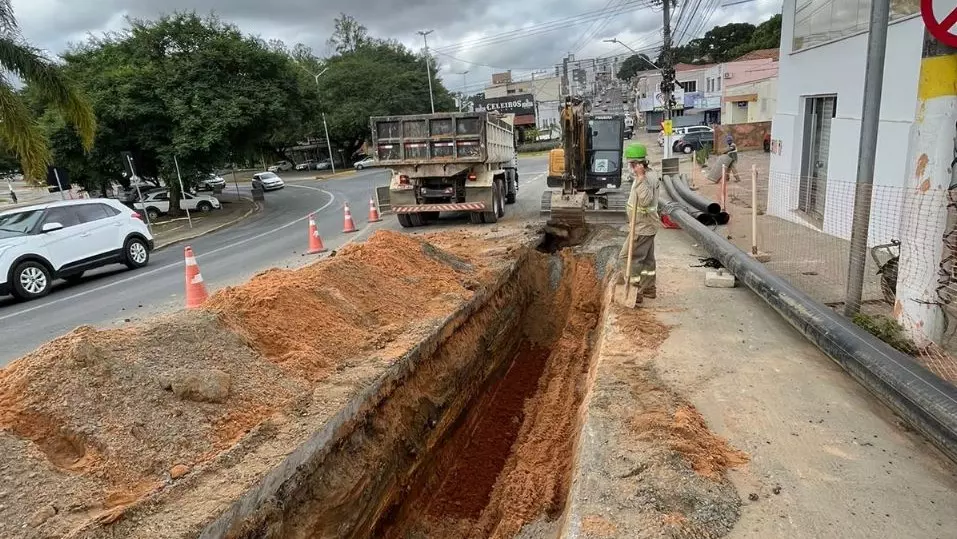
(63,239)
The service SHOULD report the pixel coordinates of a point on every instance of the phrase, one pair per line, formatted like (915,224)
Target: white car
(157,203)
(679,133)
(367,162)
(61,240)
(267,181)
(214,181)
(281,166)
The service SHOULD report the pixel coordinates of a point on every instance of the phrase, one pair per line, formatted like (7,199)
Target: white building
(816,129)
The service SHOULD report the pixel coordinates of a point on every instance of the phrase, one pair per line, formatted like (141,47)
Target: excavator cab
(587,169)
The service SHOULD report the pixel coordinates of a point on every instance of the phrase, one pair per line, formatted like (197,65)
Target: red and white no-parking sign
(942,26)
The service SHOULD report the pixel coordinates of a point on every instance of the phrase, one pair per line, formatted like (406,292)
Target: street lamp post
(428,65)
(325,127)
(465,85)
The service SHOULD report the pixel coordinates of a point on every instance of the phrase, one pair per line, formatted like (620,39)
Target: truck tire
(405,220)
(511,191)
(476,218)
(498,206)
(431,216)
(418,219)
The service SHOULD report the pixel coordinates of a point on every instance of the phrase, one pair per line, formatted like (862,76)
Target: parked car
(212,182)
(367,162)
(267,181)
(157,203)
(692,142)
(63,239)
(308,164)
(680,132)
(281,166)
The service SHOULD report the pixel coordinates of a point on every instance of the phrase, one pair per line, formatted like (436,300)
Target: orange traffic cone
(373,212)
(315,242)
(349,226)
(195,289)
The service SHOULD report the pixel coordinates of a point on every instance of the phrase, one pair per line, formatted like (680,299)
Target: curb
(256,207)
(336,176)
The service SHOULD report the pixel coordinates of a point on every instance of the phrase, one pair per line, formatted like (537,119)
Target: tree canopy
(20,132)
(725,43)
(373,77)
(633,64)
(182,86)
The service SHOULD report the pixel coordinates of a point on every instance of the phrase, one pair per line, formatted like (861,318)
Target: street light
(428,65)
(325,127)
(615,40)
(465,85)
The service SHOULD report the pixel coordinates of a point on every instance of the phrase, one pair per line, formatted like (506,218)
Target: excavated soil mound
(114,414)
(94,421)
(309,320)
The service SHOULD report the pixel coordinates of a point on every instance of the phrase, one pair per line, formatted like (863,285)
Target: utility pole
(870,122)
(325,127)
(667,70)
(925,279)
(428,64)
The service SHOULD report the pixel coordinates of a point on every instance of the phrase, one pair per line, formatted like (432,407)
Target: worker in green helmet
(644,200)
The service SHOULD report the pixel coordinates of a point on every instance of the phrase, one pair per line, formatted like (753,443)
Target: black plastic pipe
(924,401)
(694,199)
(706,219)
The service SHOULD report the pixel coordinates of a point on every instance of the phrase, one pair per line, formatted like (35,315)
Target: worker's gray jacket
(644,199)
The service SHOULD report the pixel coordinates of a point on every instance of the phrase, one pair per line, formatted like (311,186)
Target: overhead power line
(544,28)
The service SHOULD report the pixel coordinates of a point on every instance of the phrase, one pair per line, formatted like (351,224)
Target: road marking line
(332,198)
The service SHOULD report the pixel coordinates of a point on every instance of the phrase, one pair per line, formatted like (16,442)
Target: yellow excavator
(585,174)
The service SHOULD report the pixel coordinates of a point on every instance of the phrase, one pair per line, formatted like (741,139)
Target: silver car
(267,181)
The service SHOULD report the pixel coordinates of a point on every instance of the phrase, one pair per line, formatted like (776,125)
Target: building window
(820,21)
(717,84)
(689,86)
(710,84)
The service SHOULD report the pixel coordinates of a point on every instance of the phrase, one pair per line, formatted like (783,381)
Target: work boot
(651,293)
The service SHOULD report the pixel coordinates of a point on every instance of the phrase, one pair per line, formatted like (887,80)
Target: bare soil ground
(110,432)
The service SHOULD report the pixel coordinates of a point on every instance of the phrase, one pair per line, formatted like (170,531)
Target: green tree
(182,86)
(375,78)
(725,43)
(20,131)
(767,35)
(348,35)
(633,64)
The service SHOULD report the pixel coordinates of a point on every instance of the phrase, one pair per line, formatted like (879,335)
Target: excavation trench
(472,434)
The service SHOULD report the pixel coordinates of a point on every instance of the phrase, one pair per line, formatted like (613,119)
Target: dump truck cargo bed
(441,138)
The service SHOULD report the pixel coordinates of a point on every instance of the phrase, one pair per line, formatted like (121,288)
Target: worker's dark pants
(642,264)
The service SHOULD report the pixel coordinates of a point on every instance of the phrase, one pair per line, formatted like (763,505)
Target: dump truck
(447,162)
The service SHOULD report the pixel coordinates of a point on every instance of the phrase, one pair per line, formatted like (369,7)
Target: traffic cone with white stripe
(315,242)
(373,212)
(195,288)
(349,226)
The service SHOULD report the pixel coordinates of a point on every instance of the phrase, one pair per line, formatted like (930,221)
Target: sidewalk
(821,457)
(166,232)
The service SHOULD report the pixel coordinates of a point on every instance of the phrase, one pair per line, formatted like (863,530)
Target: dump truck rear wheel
(405,220)
(417,219)
(497,205)
(475,218)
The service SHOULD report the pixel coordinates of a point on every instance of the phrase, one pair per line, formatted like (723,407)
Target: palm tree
(20,131)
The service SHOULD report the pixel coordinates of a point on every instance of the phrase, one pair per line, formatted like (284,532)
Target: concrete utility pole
(428,64)
(870,121)
(924,283)
(325,127)
(667,70)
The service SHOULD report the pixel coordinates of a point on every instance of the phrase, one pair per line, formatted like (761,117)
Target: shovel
(627,295)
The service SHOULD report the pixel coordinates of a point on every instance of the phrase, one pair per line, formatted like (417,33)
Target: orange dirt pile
(312,319)
(104,405)
(686,433)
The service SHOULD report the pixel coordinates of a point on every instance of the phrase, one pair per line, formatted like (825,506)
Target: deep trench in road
(479,439)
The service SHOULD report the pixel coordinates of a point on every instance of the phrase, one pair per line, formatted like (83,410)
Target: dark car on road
(693,142)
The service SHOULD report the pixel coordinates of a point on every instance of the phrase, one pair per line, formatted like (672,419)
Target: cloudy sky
(478,36)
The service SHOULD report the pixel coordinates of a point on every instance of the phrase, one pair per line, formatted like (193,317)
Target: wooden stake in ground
(754,210)
(628,296)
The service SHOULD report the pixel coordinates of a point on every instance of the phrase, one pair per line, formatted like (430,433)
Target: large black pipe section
(695,199)
(702,217)
(926,402)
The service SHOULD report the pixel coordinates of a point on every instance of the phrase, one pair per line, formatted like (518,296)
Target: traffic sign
(942,26)
(667,126)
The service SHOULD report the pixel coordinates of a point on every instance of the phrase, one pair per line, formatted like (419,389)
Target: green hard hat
(636,151)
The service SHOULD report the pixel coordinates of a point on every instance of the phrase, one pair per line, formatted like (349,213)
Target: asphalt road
(275,237)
